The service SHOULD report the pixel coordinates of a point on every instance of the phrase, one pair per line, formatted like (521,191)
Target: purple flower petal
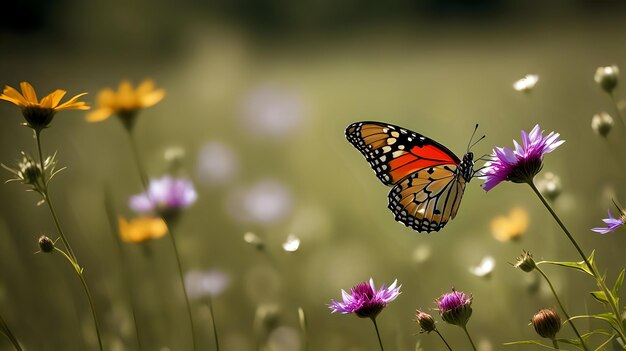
(166,193)
(523,162)
(364,300)
(611,222)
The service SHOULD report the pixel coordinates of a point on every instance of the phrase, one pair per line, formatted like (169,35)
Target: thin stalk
(124,263)
(9,335)
(378,334)
(48,201)
(558,220)
(442,339)
(128,124)
(616,105)
(592,269)
(70,256)
(217,343)
(469,337)
(182,283)
(582,341)
(555,344)
(135,151)
(79,273)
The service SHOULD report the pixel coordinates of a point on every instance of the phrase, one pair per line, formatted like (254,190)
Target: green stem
(135,151)
(558,220)
(79,273)
(70,256)
(48,201)
(217,344)
(6,331)
(555,344)
(128,124)
(619,112)
(124,262)
(469,337)
(182,283)
(442,339)
(599,281)
(582,341)
(380,342)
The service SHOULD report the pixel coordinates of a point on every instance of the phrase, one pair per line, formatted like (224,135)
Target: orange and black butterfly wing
(427,199)
(395,153)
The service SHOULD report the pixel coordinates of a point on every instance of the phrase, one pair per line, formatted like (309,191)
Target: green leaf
(529,342)
(579,266)
(618,282)
(607,317)
(600,296)
(574,342)
(597,332)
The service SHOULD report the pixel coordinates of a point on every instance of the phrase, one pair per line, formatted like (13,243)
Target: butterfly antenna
(476,142)
(471,138)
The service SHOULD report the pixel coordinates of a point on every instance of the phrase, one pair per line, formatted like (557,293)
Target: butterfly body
(427,179)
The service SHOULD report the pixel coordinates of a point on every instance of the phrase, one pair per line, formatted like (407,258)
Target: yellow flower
(511,227)
(125,101)
(39,113)
(141,229)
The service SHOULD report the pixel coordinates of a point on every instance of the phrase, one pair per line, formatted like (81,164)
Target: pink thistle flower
(455,307)
(522,164)
(364,300)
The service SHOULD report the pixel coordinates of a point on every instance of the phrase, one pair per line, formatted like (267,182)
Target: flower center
(525,170)
(38,117)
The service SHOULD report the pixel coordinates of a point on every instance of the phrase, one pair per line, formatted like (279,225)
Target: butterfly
(427,179)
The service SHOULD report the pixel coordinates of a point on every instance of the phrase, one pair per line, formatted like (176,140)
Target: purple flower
(165,195)
(522,164)
(364,300)
(206,283)
(455,307)
(612,223)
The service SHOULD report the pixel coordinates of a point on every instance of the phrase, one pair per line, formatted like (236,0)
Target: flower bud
(254,240)
(29,170)
(607,77)
(174,156)
(425,321)
(525,262)
(602,123)
(546,322)
(45,244)
(455,307)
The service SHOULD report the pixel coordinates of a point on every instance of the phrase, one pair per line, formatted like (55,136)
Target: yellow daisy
(141,229)
(511,227)
(126,101)
(39,113)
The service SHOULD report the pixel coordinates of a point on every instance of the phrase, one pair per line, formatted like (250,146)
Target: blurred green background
(259,93)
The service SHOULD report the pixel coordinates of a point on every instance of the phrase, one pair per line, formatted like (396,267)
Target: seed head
(607,77)
(546,322)
(45,244)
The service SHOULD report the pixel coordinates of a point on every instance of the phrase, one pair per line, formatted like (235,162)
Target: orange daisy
(126,101)
(141,229)
(39,113)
